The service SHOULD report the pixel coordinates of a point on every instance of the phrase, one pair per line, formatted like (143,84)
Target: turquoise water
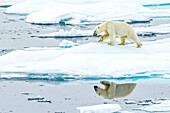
(67,77)
(155,6)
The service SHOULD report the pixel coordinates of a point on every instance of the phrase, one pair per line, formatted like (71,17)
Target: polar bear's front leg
(112,40)
(103,37)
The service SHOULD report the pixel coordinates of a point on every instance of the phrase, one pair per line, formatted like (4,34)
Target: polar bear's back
(123,90)
(120,28)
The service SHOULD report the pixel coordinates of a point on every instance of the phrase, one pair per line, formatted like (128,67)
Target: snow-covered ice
(103,108)
(78,12)
(85,12)
(104,60)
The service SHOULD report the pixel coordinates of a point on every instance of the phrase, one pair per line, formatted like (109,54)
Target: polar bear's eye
(98,26)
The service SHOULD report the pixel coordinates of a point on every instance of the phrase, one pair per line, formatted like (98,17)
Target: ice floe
(67,44)
(92,60)
(164,106)
(166,76)
(84,13)
(78,12)
(103,108)
(130,102)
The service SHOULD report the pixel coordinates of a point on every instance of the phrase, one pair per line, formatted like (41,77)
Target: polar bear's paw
(111,44)
(122,44)
(139,45)
(100,39)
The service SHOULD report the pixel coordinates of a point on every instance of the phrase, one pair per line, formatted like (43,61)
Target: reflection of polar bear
(112,29)
(113,90)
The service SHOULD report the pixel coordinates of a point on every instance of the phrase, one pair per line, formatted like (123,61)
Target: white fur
(113,90)
(112,29)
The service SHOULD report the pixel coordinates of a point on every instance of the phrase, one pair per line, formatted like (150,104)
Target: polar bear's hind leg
(136,40)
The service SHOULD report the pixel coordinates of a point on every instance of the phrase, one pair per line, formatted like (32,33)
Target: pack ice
(103,108)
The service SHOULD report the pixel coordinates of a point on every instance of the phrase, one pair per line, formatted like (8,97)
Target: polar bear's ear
(106,84)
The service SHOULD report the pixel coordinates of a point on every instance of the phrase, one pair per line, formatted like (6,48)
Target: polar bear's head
(98,29)
(100,91)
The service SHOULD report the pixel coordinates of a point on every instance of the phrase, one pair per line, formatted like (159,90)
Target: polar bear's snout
(94,34)
(95,88)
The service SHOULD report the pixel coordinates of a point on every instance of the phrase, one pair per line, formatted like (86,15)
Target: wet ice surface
(147,31)
(158,106)
(50,97)
(15,33)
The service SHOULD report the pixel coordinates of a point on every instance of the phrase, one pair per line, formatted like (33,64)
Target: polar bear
(112,29)
(113,90)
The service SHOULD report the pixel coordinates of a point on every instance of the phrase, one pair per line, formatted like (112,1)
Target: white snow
(102,108)
(67,44)
(92,59)
(164,106)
